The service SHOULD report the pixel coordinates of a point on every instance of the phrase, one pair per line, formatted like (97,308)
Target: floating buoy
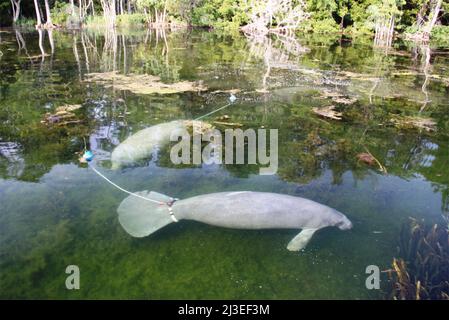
(88,155)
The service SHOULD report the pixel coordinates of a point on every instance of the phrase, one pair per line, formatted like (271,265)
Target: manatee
(141,217)
(145,142)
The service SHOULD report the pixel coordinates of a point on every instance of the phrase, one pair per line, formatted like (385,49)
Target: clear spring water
(55,212)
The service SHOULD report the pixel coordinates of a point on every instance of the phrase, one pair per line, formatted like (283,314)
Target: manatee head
(334,218)
(122,156)
(116,159)
(344,223)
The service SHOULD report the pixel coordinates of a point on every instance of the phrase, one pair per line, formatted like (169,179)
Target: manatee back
(143,143)
(256,210)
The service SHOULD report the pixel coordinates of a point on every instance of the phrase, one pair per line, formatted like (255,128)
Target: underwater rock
(330,94)
(337,97)
(142,83)
(63,115)
(344,100)
(426,124)
(328,112)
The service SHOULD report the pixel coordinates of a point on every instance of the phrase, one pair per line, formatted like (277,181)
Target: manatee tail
(140,217)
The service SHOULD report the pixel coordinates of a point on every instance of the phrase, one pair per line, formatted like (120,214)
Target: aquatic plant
(422,271)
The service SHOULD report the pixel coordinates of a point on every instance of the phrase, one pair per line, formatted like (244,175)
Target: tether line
(212,112)
(122,189)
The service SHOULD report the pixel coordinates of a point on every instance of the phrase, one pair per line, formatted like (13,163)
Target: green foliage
(150,4)
(181,10)
(95,21)
(205,15)
(410,11)
(131,20)
(325,25)
(359,15)
(5,15)
(383,10)
(440,35)
(220,14)
(26,22)
(61,12)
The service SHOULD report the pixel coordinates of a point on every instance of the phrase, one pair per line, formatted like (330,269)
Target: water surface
(55,212)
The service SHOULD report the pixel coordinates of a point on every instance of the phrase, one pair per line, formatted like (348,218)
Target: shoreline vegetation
(419,21)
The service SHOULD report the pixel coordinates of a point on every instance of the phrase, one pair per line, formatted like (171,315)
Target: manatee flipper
(301,240)
(140,217)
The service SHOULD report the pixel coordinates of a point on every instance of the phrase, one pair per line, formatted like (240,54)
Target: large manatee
(141,217)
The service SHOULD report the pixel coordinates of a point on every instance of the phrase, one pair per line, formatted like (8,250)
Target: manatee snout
(344,224)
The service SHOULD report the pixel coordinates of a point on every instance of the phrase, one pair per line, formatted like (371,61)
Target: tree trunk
(72,7)
(109,12)
(15,4)
(50,39)
(41,43)
(13,7)
(80,8)
(48,23)
(433,17)
(38,15)
(420,15)
(165,12)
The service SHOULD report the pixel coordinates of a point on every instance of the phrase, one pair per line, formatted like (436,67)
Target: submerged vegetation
(422,271)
